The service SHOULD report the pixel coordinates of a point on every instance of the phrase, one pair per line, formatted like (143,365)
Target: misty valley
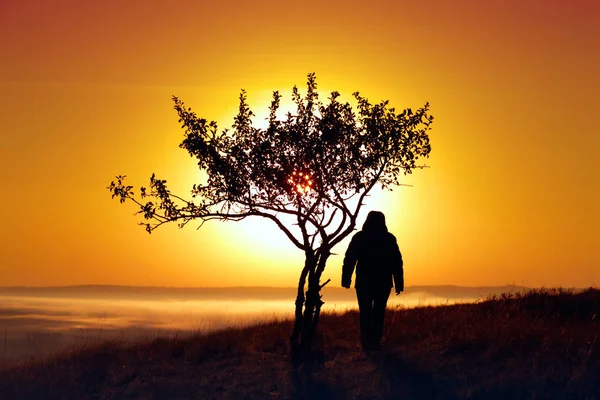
(35,322)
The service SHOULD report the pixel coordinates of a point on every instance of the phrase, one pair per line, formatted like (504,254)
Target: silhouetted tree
(315,165)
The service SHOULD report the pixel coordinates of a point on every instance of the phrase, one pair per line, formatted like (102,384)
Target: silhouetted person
(375,253)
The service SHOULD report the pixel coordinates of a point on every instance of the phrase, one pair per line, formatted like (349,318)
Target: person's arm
(350,260)
(397,267)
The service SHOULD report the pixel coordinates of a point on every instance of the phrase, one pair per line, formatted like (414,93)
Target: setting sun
(301,182)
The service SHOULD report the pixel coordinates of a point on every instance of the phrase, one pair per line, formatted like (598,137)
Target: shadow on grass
(305,385)
(401,380)
(303,375)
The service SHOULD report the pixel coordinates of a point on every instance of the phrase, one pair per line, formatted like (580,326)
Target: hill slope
(542,344)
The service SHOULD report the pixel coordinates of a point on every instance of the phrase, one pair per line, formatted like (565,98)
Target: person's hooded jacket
(375,254)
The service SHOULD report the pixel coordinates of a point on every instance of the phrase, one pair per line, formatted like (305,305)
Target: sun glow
(262,239)
(301,182)
(256,241)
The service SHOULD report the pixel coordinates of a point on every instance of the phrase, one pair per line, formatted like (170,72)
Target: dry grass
(536,345)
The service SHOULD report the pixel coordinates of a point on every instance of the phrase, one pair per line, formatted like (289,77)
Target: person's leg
(365,309)
(379,303)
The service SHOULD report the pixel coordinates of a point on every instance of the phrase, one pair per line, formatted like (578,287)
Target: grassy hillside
(537,345)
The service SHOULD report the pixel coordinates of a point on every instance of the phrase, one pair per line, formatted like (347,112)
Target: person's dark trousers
(371,305)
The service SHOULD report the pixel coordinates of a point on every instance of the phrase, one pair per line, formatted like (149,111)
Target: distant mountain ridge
(239,292)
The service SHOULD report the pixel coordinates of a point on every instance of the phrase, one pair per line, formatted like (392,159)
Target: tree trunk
(306,320)
(320,268)
(309,264)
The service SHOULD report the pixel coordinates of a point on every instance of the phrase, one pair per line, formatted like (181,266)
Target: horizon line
(258,287)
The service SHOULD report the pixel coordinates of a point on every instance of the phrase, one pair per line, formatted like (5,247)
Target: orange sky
(85,94)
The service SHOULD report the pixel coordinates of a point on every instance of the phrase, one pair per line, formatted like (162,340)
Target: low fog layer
(38,321)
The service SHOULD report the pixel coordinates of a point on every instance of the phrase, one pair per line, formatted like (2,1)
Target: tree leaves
(341,150)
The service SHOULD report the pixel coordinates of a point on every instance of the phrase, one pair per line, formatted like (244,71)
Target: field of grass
(536,345)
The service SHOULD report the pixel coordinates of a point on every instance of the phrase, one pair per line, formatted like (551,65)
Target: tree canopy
(315,165)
